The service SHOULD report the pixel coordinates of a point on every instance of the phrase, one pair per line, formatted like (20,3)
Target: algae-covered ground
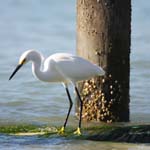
(129,133)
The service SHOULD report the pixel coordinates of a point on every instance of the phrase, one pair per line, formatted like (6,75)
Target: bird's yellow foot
(77,132)
(61,130)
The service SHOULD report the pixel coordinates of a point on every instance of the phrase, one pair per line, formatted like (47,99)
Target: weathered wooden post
(103,37)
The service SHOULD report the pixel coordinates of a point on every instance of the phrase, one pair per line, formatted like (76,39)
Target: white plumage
(69,68)
(61,67)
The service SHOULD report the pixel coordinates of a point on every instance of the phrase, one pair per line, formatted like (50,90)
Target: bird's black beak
(17,68)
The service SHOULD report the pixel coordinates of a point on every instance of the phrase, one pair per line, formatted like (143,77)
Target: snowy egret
(61,67)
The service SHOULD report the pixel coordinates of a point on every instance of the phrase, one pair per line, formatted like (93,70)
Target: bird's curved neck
(37,67)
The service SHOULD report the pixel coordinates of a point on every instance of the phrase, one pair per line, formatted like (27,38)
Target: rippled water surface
(49,26)
(37,143)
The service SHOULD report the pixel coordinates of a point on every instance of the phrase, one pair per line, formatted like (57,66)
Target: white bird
(64,68)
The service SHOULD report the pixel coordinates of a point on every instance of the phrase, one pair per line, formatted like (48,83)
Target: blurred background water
(49,26)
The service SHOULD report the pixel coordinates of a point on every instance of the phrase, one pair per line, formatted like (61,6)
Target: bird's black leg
(81,106)
(70,107)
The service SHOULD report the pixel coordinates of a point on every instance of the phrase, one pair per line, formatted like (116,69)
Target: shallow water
(33,142)
(47,26)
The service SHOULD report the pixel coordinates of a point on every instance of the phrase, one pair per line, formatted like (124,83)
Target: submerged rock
(128,133)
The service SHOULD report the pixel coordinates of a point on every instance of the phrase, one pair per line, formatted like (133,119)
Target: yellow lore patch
(21,62)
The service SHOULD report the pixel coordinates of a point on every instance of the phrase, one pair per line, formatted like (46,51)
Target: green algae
(129,133)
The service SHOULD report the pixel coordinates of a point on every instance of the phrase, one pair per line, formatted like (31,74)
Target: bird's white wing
(75,68)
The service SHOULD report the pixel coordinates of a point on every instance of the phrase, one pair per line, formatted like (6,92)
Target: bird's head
(25,57)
